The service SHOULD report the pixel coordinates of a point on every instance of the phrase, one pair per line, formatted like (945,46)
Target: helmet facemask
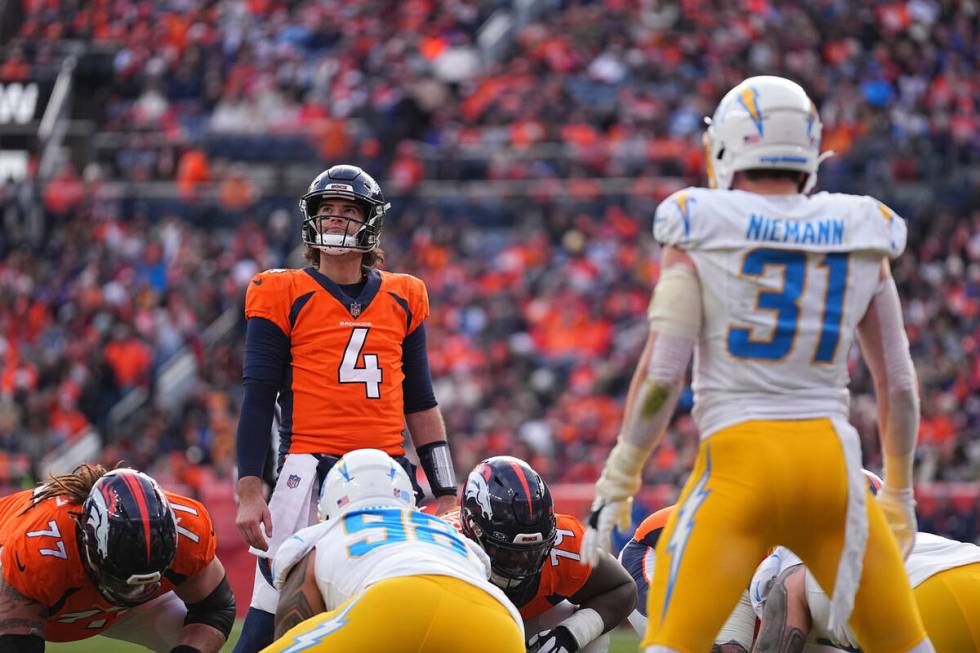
(364,238)
(512,563)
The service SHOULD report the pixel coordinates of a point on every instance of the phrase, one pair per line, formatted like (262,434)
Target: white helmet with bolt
(764,122)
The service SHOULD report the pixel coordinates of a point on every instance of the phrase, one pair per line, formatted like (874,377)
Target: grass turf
(624,640)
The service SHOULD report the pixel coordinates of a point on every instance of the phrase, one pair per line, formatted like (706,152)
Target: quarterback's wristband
(438,467)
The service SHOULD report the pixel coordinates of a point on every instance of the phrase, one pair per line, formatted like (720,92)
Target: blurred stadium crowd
(524,147)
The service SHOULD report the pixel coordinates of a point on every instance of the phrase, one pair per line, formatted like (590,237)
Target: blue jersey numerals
(784,304)
(383,526)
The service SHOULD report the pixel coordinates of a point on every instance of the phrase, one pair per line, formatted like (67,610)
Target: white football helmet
(365,477)
(764,122)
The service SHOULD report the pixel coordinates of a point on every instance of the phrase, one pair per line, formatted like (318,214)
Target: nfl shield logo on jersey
(355,309)
(293,481)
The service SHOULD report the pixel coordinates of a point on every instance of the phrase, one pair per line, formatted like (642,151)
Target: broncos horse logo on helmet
(128,536)
(507,509)
(351,183)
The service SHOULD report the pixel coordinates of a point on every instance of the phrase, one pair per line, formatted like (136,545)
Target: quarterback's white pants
(293,507)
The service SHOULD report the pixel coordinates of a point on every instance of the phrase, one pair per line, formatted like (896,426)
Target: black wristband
(184,648)
(438,467)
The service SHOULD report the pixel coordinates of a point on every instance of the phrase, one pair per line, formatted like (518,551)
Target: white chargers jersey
(785,279)
(930,555)
(368,545)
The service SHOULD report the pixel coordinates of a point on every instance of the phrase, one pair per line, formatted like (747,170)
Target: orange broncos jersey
(343,388)
(41,560)
(562,575)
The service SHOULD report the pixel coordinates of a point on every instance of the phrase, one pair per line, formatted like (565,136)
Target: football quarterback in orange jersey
(341,346)
(110,553)
(534,556)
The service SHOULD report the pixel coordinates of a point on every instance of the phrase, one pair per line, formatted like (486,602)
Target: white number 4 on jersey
(369,373)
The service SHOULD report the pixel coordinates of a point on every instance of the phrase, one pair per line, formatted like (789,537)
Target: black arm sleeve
(417,386)
(216,610)
(266,358)
(21,644)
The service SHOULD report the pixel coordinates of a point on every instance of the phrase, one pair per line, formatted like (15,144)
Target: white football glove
(598,533)
(556,640)
(899,509)
(613,504)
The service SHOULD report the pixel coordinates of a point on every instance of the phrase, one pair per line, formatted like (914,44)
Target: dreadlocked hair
(74,486)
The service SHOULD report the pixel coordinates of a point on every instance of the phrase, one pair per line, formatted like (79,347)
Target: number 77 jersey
(40,558)
(785,279)
(341,385)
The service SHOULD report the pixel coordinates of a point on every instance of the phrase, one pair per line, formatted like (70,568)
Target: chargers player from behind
(769,286)
(343,346)
(507,509)
(110,553)
(376,558)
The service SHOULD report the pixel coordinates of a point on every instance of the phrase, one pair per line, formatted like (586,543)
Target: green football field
(624,641)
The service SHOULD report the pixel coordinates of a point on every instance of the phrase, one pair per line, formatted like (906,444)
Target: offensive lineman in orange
(110,553)
(342,345)
(507,509)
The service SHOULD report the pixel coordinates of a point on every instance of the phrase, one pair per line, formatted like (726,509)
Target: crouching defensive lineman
(376,558)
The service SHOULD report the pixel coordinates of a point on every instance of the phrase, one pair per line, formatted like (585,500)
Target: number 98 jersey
(785,279)
(365,546)
(342,389)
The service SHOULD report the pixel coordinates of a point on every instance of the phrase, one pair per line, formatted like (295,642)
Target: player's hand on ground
(446,503)
(899,509)
(598,533)
(253,515)
(557,640)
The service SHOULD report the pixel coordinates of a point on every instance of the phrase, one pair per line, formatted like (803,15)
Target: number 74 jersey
(785,279)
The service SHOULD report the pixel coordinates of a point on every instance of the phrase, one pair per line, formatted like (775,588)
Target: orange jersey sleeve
(196,542)
(40,557)
(562,574)
(416,297)
(269,295)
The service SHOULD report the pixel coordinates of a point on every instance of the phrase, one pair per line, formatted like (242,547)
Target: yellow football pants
(950,606)
(755,485)
(412,614)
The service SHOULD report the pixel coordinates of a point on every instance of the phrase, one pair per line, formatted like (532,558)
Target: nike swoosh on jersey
(257,282)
